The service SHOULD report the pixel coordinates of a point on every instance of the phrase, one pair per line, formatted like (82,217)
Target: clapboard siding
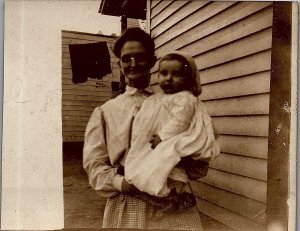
(245,186)
(160,7)
(249,25)
(178,31)
(247,85)
(252,209)
(79,100)
(244,105)
(249,146)
(248,65)
(242,125)
(231,43)
(193,28)
(154,3)
(71,97)
(231,219)
(177,16)
(257,62)
(173,7)
(228,52)
(227,163)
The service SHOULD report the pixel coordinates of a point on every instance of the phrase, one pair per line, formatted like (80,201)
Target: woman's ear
(120,66)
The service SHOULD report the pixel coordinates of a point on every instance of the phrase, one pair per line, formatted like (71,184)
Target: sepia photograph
(149,114)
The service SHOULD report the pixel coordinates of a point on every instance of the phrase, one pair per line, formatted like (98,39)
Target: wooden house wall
(79,100)
(231,44)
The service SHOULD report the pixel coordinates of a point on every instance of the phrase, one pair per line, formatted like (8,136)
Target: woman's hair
(134,34)
(187,71)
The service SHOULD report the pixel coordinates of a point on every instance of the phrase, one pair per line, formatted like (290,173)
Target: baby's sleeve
(181,109)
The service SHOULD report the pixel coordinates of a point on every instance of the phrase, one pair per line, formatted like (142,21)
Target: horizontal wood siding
(231,43)
(79,100)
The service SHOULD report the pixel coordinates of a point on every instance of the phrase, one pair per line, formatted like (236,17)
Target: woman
(107,140)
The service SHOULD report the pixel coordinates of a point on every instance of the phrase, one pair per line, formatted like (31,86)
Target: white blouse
(107,138)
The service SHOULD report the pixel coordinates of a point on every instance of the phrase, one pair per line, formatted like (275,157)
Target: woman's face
(134,61)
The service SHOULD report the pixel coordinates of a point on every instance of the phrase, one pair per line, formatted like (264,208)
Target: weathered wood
(259,21)
(74,134)
(76,113)
(251,209)
(245,145)
(181,28)
(241,165)
(258,62)
(280,117)
(229,218)
(246,105)
(86,98)
(104,92)
(83,35)
(247,85)
(74,128)
(75,102)
(163,15)
(159,7)
(75,118)
(104,87)
(182,13)
(78,108)
(242,125)
(254,63)
(246,46)
(248,187)
(196,27)
(154,3)
(72,138)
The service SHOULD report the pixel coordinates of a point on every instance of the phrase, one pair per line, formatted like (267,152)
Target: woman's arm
(102,176)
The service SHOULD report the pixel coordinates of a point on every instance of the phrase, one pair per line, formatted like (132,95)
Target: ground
(83,208)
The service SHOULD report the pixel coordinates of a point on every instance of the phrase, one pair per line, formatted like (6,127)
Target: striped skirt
(123,211)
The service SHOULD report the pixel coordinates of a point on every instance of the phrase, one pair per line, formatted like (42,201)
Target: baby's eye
(163,72)
(177,74)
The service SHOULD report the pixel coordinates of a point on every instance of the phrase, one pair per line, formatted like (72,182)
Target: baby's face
(171,76)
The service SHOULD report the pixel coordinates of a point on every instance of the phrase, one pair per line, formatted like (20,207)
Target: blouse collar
(132,90)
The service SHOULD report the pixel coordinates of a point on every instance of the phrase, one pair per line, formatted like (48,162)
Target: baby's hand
(155,141)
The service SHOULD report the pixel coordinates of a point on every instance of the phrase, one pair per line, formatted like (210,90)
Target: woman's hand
(155,141)
(129,188)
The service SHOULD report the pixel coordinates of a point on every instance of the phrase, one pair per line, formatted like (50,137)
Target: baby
(169,126)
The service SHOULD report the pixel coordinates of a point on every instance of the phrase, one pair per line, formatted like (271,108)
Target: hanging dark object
(89,61)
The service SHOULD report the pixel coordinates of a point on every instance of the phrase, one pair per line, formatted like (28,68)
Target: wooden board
(245,27)
(245,105)
(251,209)
(242,125)
(247,85)
(258,62)
(159,7)
(240,165)
(185,11)
(245,145)
(229,218)
(244,186)
(246,46)
(173,7)
(198,26)
(248,65)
